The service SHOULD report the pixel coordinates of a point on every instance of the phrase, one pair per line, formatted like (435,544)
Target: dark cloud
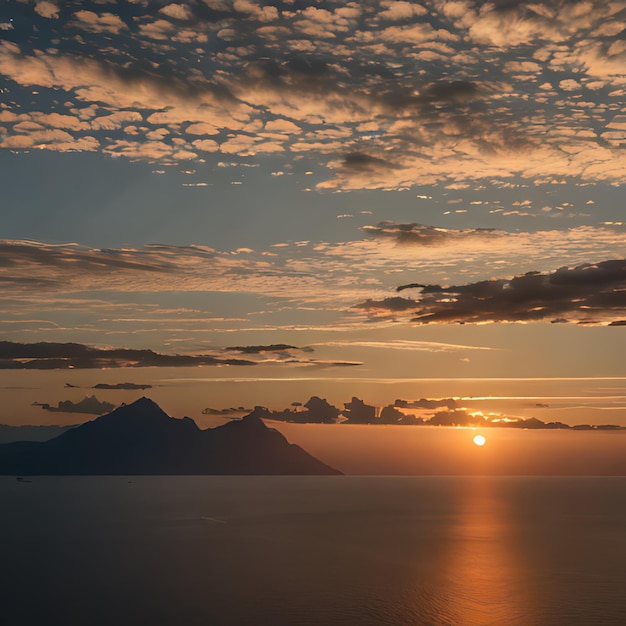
(166,80)
(388,304)
(19,254)
(431,98)
(46,355)
(334,363)
(315,410)
(421,234)
(124,386)
(586,294)
(457,417)
(89,405)
(360,87)
(308,67)
(228,411)
(357,412)
(31,283)
(463,417)
(343,82)
(361,162)
(454,91)
(318,411)
(276,347)
(426,403)
(391,415)
(309,75)
(284,354)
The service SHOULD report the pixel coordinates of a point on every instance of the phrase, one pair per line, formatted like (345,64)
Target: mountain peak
(143,406)
(251,424)
(140,438)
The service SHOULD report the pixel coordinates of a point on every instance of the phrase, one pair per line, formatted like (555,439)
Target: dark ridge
(141,439)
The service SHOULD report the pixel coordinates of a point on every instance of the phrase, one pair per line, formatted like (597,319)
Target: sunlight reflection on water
(440,551)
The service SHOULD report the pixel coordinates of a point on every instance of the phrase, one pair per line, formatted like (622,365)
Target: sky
(273,200)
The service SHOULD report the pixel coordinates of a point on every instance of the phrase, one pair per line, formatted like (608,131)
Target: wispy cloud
(50,290)
(404,344)
(318,272)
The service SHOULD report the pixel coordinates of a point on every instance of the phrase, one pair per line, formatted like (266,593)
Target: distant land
(141,439)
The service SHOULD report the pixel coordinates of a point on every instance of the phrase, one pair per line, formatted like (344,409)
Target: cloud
(450,91)
(584,294)
(394,304)
(124,386)
(65,268)
(315,410)
(29,253)
(278,347)
(420,234)
(89,405)
(47,9)
(227,411)
(256,10)
(391,95)
(177,11)
(427,403)
(506,24)
(319,411)
(46,355)
(297,286)
(404,344)
(99,23)
(361,162)
(55,355)
(400,10)
(134,85)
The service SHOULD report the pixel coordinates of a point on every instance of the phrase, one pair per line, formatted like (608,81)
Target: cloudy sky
(319,193)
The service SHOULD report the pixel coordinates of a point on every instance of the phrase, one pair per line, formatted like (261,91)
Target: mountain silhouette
(140,438)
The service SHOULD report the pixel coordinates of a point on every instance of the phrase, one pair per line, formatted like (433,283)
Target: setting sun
(479,440)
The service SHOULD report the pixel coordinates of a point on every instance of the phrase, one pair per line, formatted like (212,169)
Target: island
(141,439)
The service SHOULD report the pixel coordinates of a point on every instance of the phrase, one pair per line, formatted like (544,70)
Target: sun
(479,440)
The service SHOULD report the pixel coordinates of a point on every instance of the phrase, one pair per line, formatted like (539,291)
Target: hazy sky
(189,177)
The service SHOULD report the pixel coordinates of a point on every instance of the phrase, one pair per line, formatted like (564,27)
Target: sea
(337,550)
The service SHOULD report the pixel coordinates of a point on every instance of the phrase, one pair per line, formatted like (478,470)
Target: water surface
(313,550)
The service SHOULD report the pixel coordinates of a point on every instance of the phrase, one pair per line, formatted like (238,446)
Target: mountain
(140,438)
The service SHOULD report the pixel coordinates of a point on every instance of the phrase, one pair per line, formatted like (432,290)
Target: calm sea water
(299,551)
